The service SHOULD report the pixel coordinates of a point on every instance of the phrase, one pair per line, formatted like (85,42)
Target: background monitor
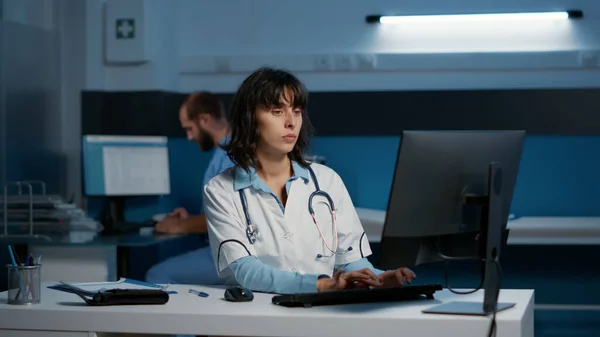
(125,165)
(440,205)
(118,167)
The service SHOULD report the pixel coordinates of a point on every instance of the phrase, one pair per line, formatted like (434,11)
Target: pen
(15,259)
(198,293)
(14,255)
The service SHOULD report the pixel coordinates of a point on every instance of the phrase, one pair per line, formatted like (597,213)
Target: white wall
(190,42)
(217,43)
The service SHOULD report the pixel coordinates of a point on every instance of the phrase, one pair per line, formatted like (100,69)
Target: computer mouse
(238,294)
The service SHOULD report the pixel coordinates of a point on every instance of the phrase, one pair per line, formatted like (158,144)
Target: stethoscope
(252,231)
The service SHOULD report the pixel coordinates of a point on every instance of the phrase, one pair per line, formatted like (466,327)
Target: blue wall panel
(558,175)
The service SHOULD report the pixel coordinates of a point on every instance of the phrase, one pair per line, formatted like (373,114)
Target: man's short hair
(203,102)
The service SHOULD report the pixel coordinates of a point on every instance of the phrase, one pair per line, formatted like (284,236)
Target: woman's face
(279,126)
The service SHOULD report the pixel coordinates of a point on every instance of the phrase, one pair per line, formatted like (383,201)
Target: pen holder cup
(24,284)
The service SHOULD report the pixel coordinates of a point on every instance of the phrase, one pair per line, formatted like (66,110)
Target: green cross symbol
(125,28)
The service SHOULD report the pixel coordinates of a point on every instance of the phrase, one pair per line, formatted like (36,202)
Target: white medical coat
(287,240)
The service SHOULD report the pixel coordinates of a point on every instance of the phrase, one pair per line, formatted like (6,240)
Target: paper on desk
(122,283)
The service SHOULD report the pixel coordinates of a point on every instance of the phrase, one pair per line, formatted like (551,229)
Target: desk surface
(91,238)
(523,231)
(189,314)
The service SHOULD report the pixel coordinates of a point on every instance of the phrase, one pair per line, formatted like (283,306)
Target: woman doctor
(277,223)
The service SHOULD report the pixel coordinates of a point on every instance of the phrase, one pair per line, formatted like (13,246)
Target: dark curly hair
(264,87)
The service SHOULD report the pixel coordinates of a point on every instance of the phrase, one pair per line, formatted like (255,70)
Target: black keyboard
(354,296)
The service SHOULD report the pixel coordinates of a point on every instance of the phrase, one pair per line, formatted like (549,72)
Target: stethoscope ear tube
(323,194)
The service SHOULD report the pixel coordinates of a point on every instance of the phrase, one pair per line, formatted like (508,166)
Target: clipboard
(91,288)
(117,296)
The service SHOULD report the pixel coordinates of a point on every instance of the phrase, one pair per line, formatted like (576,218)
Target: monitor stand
(465,308)
(491,230)
(113,214)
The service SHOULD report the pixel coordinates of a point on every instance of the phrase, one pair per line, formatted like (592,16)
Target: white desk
(190,314)
(523,231)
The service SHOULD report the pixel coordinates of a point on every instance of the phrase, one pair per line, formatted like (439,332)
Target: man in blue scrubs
(202,116)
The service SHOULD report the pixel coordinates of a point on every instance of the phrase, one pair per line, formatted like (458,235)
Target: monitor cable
(454,291)
(447,259)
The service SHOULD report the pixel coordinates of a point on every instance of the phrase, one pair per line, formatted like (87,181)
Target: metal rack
(39,216)
(30,199)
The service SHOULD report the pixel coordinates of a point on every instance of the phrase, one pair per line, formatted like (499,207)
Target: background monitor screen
(125,165)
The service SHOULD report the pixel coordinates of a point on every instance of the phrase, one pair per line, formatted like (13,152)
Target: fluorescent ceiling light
(541,16)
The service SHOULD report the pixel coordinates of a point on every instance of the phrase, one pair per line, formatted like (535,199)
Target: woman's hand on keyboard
(363,278)
(396,277)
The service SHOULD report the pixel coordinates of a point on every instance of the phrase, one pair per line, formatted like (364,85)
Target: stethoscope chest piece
(252,233)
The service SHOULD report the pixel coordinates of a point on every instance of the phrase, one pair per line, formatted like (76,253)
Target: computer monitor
(450,199)
(118,167)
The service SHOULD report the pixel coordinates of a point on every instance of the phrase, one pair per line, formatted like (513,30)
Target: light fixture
(534,16)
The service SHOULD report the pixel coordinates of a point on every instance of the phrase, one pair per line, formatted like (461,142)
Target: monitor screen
(125,165)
